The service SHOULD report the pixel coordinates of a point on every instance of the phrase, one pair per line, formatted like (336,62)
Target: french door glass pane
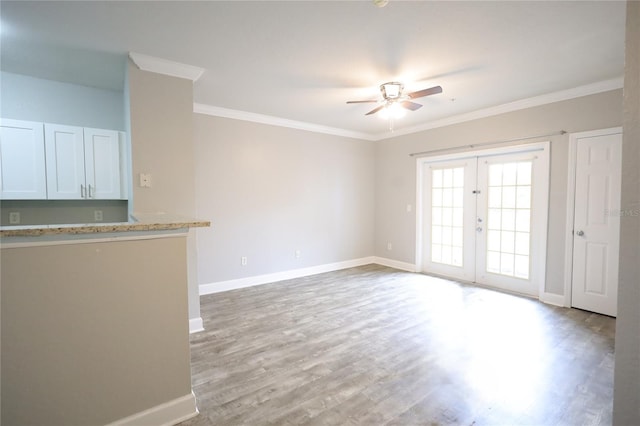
(447,215)
(509,219)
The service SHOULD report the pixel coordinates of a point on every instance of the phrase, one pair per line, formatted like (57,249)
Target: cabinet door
(65,162)
(22,166)
(102,164)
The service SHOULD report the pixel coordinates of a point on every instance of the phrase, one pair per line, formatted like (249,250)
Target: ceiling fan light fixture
(394,103)
(391,90)
(392,111)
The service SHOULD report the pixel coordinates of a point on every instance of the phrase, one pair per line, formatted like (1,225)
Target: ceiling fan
(392,95)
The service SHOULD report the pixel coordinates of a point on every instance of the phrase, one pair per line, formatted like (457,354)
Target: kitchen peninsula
(147,222)
(95,323)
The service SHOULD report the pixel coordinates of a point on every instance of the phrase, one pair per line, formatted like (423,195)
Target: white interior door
(478,215)
(596,230)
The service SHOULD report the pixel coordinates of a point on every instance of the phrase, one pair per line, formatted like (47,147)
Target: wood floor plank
(377,346)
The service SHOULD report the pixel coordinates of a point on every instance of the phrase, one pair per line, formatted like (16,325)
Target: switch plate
(389,246)
(145,180)
(297,254)
(243,261)
(97,215)
(14,218)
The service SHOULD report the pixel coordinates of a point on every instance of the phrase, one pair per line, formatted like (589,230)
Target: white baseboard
(168,414)
(220,286)
(404,266)
(554,299)
(195,325)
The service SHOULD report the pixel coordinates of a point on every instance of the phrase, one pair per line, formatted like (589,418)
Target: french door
(479,216)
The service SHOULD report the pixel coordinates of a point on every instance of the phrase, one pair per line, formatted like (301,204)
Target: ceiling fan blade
(362,102)
(425,92)
(410,105)
(373,111)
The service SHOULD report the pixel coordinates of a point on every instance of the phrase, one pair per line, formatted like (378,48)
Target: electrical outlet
(97,215)
(14,218)
(297,254)
(243,260)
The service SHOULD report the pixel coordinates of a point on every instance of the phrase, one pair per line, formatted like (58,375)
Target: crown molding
(277,121)
(166,67)
(563,95)
(549,98)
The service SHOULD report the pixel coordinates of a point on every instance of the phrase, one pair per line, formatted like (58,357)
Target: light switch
(145,180)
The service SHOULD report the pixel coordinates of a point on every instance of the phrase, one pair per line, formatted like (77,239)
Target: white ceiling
(302,60)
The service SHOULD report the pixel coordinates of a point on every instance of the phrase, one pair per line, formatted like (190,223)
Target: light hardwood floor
(376,346)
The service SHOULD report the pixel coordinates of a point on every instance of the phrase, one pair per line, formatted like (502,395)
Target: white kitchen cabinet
(65,162)
(82,163)
(102,164)
(22,160)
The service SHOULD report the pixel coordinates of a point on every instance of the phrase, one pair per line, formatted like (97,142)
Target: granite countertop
(141,222)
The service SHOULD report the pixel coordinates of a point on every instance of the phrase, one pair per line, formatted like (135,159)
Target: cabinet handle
(82,195)
(90,192)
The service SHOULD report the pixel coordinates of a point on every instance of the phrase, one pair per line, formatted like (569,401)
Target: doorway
(593,220)
(482,217)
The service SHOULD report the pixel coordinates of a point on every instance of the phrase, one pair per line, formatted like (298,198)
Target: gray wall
(161,109)
(161,138)
(87,343)
(36,99)
(626,402)
(396,171)
(270,191)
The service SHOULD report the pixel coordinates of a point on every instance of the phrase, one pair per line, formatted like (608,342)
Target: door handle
(580,233)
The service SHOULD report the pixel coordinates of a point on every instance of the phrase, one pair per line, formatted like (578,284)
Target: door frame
(542,147)
(571,205)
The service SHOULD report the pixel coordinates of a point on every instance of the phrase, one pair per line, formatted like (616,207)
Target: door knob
(479,229)
(580,233)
